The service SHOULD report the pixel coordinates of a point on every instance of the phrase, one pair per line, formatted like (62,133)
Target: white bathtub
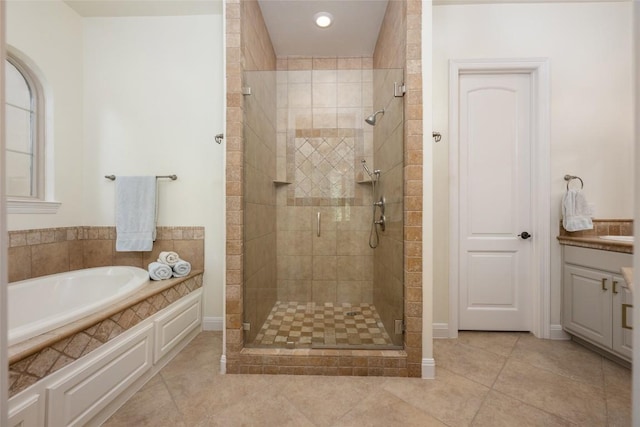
(39,305)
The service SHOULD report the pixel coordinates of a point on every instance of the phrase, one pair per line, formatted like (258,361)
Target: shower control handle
(381,222)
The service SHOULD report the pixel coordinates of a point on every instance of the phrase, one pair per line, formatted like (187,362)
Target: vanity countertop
(595,242)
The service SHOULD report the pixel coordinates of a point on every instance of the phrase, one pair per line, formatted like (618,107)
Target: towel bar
(171,177)
(570,178)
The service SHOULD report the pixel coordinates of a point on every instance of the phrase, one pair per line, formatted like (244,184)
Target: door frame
(538,69)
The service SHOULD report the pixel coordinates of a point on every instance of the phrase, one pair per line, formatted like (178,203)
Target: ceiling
(92,8)
(354,31)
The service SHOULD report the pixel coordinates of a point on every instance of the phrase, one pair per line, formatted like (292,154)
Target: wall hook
(437,136)
(219,137)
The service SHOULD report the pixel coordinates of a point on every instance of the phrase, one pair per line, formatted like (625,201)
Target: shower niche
(312,277)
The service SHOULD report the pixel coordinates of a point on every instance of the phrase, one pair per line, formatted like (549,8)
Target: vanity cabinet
(593,296)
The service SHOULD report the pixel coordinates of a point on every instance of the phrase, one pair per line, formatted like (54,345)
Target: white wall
(589,51)
(153,98)
(49,33)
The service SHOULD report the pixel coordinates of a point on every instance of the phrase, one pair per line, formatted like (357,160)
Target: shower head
(373,117)
(366,169)
(373,175)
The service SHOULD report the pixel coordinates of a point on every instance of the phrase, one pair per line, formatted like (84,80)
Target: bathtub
(39,305)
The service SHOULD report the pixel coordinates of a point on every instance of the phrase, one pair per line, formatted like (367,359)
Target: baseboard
(428,369)
(557,333)
(223,364)
(440,330)
(212,324)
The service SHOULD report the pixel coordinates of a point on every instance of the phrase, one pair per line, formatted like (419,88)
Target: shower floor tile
(323,325)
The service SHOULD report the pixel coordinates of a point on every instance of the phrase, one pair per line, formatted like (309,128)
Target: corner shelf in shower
(281,183)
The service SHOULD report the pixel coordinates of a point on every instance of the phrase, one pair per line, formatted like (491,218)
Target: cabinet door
(587,304)
(622,336)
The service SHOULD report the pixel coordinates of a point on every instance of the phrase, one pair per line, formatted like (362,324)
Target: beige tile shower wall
(388,143)
(260,290)
(390,51)
(324,100)
(35,253)
(257,50)
(399,46)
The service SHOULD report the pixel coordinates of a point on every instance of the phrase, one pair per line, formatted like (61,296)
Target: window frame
(42,199)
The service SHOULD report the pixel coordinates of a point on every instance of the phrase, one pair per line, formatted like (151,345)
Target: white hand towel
(181,269)
(576,214)
(135,213)
(159,271)
(168,257)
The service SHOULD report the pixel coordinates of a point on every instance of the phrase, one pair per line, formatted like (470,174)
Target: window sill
(32,207)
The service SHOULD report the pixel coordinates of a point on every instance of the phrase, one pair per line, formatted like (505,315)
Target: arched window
(24,132)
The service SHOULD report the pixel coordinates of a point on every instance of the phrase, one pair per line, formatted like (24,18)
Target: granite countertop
(595,242)
(627,273)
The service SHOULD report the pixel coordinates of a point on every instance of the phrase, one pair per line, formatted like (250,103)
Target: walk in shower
(323,207)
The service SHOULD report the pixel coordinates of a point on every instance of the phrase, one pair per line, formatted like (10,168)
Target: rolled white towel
(159,271)
(169,257)
(181,269)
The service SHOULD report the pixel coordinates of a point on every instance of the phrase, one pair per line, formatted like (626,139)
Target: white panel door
(495,201)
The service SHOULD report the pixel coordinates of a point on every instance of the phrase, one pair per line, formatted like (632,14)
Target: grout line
(506,359)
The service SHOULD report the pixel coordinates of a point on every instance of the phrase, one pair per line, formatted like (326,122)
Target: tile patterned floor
(327,324)
(483,379)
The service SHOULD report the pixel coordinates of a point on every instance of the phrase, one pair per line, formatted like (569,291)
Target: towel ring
(570,178)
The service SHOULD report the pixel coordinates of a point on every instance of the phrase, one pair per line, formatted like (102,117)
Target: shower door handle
(318,224)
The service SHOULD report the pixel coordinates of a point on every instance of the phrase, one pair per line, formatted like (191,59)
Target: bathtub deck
(38,357)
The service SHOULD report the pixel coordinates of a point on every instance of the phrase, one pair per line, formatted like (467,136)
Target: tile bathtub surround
(30,367)
(39,252)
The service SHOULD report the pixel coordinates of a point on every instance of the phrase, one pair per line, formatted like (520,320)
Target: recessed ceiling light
(323,19)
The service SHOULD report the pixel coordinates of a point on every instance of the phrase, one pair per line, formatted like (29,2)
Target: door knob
(524,235)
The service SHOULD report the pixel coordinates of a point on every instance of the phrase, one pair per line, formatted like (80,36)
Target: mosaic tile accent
(322,164)
(328,324)
(37,366)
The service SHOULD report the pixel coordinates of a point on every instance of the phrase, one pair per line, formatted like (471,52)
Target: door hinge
(399,89)
(246,326)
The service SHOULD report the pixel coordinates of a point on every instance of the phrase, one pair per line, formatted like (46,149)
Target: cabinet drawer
(81,394)
(174,325)
(594,258)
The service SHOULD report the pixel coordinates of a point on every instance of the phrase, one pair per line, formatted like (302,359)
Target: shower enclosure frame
(246,38)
